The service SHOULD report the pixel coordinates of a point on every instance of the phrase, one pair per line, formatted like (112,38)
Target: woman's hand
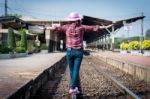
(109,25)
(50,28)
(104,27)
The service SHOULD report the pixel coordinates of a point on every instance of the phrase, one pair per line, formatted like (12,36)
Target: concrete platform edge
(142,72)
(29,89)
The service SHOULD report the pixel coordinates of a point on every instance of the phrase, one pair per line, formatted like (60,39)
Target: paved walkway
(14,73)
(141,60)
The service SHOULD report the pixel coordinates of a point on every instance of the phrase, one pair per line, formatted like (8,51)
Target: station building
(56,41)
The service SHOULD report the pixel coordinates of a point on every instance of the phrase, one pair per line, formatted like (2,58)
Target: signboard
(127,26)
(36,29)
(55,24)
(37,41)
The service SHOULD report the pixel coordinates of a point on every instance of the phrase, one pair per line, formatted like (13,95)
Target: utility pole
(141,37)
(5,7)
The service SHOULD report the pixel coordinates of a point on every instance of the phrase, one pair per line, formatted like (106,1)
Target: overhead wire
(30,12)
(35,13)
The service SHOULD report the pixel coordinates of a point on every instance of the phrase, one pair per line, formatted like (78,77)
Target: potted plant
(20,52)
(44,48)
(124,48)
(11,39)
(134,47)
(146,47)
(23,41)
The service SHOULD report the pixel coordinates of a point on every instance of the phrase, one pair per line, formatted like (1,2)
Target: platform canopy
(16,23)
(88,20)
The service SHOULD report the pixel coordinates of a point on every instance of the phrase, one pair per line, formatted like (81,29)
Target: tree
(147,34)
(11,39)
(23,42)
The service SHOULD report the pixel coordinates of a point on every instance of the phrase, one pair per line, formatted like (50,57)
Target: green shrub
(20,50)
(146,45)
(124,46)
(17,43)
(31,48)
(5,50)
(44,47)
(134,45)
(23,42)
(11,39)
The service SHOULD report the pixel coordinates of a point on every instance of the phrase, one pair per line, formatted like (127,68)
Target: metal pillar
(109,42)
(56,40)
(112,45)
(47,36)
(112,42)
(99,42)
(102,42)
(96,43)
(141,37)
(105,42)
(0,34)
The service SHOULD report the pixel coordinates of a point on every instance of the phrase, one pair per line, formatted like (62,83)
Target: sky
(105,9)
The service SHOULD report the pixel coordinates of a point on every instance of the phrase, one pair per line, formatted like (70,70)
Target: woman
(74,45)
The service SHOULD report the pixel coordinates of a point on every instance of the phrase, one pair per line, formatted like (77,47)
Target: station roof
(17,23)
(88,20)
(12,21)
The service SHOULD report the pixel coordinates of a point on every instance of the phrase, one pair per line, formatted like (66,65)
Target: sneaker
(76,90)
(71,91)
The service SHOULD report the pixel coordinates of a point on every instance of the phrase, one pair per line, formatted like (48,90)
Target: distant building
(54,40)
(94,40)
(15,23)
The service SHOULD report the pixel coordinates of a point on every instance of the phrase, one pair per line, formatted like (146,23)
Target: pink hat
(74,16)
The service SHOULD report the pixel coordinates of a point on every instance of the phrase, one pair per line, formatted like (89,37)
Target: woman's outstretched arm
(104,27)
(55,28)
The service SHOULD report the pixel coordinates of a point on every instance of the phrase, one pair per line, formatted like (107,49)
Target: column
(0,34)
(109,42)
(56,40)
(113,39)
(102,42)
(47,36)
(105,41)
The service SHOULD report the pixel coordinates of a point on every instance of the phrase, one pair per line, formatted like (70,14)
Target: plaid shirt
(74,34)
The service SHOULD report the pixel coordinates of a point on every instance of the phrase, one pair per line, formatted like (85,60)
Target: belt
(69,49)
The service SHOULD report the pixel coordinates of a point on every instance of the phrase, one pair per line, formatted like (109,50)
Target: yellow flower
(146,45)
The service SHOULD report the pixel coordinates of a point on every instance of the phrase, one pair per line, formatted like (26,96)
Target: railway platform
(15,73)
(46,76)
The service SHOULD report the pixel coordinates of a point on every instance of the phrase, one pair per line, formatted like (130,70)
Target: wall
(31,88)
(140,71)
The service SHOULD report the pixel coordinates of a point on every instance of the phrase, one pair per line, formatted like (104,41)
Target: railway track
(93,84)
(139,87)
(127,93)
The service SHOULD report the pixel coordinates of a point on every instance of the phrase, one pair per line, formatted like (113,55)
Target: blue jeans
(74,59)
